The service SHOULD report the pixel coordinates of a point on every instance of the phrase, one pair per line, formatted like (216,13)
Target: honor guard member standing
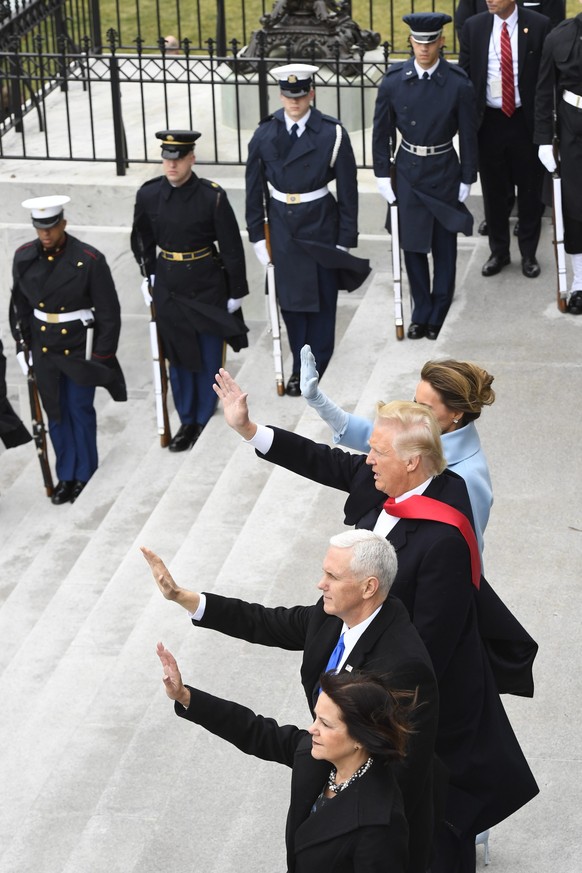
(197,289)
(560,88)
(66,311)
(298,151)
(428,101)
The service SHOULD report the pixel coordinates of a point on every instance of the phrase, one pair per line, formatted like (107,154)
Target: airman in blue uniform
(428,101)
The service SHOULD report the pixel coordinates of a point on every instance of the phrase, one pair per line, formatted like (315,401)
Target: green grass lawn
(196,20)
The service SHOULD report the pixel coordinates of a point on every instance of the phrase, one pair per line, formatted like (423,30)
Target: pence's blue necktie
(335,656)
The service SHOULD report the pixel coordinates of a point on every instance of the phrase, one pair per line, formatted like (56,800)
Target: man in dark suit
(555,10)
(293,156)
(361,627)
(501,52)
(489,776)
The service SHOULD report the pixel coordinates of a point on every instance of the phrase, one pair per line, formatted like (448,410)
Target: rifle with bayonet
(558,221)
(160,372)
(396,264)
(37,419)
(272,304)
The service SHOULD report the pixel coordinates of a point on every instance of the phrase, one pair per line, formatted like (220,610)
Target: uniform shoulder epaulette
(25,246)
(459,70)
(210,184)
(394,68)
(330,118)
(266,118)
(152,181)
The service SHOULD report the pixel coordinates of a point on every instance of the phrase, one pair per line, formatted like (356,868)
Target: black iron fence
(90,80)
(108,106)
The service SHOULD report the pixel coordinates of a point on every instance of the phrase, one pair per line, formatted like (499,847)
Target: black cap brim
(45,223)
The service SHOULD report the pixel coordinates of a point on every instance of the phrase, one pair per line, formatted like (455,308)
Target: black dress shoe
(495,264)
(483,230)
(76,489)
(432,331)
(186,437)
(530,268)
(62,493)
(575,303)
(416,331)
(293,388)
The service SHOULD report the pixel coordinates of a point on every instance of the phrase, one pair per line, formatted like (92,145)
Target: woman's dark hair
(375,716)
(462,386)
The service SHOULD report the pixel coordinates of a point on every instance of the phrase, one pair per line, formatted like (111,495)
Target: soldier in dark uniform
(12,431)
(298,151)
(65,309)
(429,101)
(560,87)
(197,289)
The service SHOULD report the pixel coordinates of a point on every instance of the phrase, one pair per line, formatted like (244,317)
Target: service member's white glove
(464,191)
(343,249)
(21,358)
(546,156)
(385,188)
(147,297)
(233,303)
(261,252)
(335,417)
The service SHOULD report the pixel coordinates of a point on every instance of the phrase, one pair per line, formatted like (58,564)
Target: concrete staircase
(97,774)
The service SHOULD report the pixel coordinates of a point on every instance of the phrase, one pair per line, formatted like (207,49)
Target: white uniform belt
(84,315)
(424,151)
(573,99)
(304,197)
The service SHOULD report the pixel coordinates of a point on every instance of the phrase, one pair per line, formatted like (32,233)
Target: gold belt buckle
(293,198)
(52,317)
(177,256)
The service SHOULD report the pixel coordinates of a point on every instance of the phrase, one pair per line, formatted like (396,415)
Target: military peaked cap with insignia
(295,80)
(177,143)
(46,211)
(426,26)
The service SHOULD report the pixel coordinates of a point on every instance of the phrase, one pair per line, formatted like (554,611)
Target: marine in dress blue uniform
(308,226)
(197,287)
(65,305)
(428,101)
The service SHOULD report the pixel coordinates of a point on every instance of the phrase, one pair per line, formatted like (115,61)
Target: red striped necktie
(507,82)
(429,509)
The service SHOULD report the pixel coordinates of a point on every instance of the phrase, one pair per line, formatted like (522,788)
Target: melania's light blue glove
(335,417)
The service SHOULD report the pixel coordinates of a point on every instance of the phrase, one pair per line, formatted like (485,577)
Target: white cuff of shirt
(262,440)
(199,614)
